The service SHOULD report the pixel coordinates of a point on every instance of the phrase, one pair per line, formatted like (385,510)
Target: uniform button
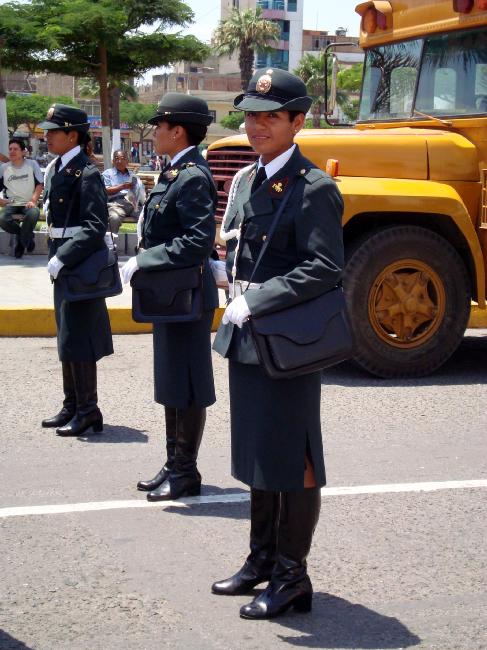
(264,237)
(61,200)
(157,206)
(302,171)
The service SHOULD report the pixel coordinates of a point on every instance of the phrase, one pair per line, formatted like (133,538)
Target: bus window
(453,78)
(389,80)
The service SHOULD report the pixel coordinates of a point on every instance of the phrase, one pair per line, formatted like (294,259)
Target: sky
(317,14)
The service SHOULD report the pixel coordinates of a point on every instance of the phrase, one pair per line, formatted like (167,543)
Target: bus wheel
(408,296)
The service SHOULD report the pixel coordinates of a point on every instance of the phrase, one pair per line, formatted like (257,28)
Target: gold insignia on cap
(270,71)
(277,187)
(263,84)
(50,112)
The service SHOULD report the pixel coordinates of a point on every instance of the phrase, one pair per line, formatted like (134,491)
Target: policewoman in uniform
(275,424)
(178,230)
(83,329)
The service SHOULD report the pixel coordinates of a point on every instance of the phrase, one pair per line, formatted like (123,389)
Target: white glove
(128,269)
(219,273)
(236,312)
(54,266)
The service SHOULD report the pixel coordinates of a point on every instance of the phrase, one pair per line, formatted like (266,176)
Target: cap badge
(50,113)
(264,84)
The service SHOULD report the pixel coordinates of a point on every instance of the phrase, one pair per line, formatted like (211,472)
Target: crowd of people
(275,425)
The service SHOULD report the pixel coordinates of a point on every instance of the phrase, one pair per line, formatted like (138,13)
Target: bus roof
(399,20)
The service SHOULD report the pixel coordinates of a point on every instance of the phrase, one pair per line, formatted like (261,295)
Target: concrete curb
(40,321)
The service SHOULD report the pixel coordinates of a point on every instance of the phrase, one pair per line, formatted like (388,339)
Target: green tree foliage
(29,109)
(232,121)
(103,38)
(311,70)
(135,115)
(245,32)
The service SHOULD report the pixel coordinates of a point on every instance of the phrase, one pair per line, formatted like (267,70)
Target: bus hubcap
(406,303)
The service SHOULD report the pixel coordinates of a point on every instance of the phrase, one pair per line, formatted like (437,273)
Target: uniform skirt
(274,425)
(183,371)
(83,328)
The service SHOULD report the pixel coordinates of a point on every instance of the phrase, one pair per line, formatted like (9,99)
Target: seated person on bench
(125,191)
(22,182)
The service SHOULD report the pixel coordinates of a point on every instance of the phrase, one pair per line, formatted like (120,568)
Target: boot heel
(98,426)
(194,491)
(303,603)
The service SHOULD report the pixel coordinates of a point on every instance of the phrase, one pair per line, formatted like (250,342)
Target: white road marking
(240,497)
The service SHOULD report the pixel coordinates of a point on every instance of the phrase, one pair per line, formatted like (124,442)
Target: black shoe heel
(194,491)
(303,603)
(98,426)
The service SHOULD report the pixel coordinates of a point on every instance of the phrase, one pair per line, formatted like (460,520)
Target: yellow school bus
(413,175)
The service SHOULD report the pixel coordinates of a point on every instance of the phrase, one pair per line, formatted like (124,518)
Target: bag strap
(71,202)
(272,229)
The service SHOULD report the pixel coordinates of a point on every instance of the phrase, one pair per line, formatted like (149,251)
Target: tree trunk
(4,137)
(115,104)
(246,64)
(105,119)
(315,110)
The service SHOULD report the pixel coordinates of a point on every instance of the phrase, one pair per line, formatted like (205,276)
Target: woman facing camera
(275,423)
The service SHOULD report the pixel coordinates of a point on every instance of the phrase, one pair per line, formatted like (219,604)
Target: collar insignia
(277,188)
(171,174)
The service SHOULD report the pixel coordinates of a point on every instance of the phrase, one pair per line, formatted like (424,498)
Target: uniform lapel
(263,200)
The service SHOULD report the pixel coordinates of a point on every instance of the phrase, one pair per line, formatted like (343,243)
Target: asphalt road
(390,569)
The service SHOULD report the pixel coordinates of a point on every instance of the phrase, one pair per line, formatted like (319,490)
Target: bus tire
(408,296)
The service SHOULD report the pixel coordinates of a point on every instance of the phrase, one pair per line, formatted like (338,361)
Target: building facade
(288,14)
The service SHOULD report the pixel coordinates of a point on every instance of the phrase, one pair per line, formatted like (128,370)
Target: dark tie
(57,165)
(259,179)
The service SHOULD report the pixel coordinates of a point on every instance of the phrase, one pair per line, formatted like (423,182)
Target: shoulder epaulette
(311,174)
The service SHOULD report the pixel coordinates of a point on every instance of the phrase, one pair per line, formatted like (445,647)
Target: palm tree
(311,70)
(245,32)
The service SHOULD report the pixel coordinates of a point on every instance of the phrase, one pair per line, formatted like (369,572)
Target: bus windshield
(441,75)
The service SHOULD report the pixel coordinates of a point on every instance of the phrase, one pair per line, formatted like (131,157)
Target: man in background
(22,183)
(125,191)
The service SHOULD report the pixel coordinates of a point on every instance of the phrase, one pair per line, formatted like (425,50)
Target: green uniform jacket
(179,231)
(83,327)
(275,424)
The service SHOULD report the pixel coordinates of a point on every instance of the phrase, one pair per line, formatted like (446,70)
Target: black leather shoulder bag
(167,296)
(306,337)
(97,276)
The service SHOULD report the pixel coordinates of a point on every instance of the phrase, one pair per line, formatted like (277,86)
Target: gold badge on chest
(277,188)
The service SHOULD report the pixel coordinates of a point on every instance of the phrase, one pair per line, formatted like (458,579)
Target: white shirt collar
(277,163)
(180,154)
(69,155)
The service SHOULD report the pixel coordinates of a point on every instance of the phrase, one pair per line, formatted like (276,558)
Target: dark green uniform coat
(179,231)
(83,328)
(275,423)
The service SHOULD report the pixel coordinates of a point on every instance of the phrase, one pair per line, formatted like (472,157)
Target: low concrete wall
(126,243)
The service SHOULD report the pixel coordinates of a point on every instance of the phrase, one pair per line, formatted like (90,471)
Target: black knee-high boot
(264,518)
(87,415)
(184,480)
(290,585)
(162,474)
(69,402)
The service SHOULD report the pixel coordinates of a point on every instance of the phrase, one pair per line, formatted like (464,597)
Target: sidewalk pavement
(26,303)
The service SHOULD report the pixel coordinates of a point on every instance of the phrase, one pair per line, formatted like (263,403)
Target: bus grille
(224,164)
